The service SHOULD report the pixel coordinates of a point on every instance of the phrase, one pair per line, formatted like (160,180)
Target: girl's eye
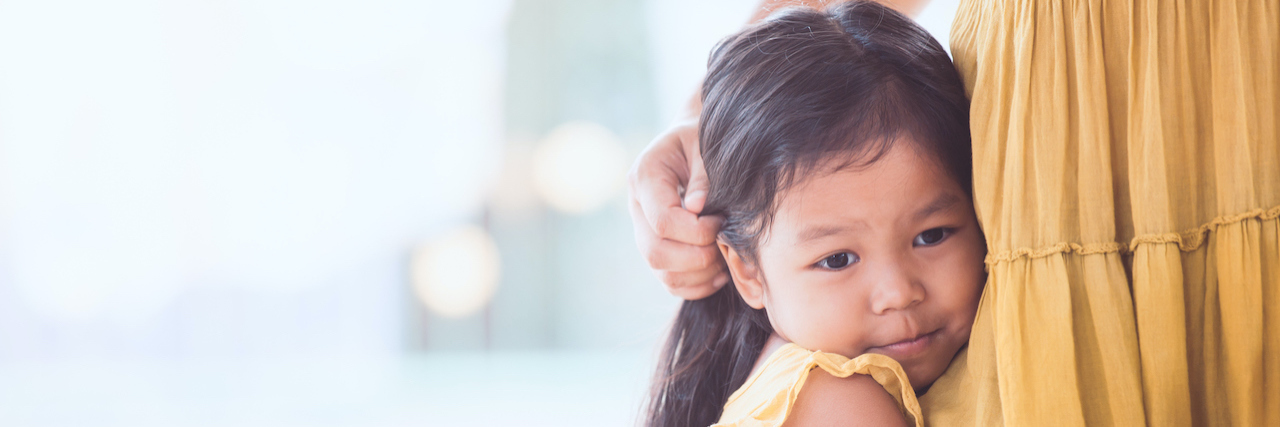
(931,237)
(838,261)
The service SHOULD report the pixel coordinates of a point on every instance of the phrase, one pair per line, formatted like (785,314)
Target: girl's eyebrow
(814,233)
(940,203)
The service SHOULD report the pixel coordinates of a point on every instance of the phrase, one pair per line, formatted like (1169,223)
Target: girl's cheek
(960,272)
(818,280)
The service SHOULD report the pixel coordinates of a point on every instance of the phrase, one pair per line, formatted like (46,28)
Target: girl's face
(881,259)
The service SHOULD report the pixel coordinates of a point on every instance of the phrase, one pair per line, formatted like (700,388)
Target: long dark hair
(801,90)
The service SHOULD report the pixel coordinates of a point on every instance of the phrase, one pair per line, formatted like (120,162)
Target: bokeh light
(579,166)
(457,274)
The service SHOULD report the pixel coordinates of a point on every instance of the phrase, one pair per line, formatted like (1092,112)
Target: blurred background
(335,213)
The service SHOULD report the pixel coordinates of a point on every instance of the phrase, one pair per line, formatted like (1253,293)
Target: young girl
(836,145)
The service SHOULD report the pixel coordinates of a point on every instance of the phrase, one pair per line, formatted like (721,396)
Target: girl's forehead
(898,186)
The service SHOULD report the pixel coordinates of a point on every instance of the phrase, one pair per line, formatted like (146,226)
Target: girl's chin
(925,372)
(922,377)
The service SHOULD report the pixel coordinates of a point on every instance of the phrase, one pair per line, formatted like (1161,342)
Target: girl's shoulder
(773,393)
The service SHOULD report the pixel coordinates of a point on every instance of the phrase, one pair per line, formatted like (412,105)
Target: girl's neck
(774,343)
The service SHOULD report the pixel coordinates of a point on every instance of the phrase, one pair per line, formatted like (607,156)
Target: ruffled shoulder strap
(768,396)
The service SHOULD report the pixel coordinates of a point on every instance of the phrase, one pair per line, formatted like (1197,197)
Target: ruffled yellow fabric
(1127,176)
(769,394)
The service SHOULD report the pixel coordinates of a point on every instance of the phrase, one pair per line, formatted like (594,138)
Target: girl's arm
(679,245)
(858,400)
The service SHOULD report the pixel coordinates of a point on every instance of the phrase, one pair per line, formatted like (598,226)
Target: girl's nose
(896,289)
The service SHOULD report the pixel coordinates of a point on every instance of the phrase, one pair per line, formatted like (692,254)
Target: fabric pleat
(1127,177)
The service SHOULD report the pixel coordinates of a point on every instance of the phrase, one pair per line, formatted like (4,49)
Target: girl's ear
(746,276)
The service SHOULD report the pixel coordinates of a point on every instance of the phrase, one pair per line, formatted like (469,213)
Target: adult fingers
(692,272)
(655,184)
(687,271)
(695,194)
(671,255)
(674,256)
(694,286)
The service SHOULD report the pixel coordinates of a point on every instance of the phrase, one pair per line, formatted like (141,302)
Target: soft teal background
(207,208)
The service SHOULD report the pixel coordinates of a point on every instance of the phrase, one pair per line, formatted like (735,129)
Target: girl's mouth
(908,348)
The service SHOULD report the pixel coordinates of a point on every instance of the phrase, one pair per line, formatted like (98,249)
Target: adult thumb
(695,193)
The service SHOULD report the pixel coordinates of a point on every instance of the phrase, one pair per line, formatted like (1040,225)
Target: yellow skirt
(1127,176)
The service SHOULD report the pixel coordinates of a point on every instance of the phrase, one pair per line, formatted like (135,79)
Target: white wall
(194,177)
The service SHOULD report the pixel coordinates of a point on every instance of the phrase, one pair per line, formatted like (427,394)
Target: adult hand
(679,245)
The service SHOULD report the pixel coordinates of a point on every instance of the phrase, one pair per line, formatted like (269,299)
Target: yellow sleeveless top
(769,394)
(1126,160)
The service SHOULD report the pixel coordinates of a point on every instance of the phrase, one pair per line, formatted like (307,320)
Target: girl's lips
(906,349)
